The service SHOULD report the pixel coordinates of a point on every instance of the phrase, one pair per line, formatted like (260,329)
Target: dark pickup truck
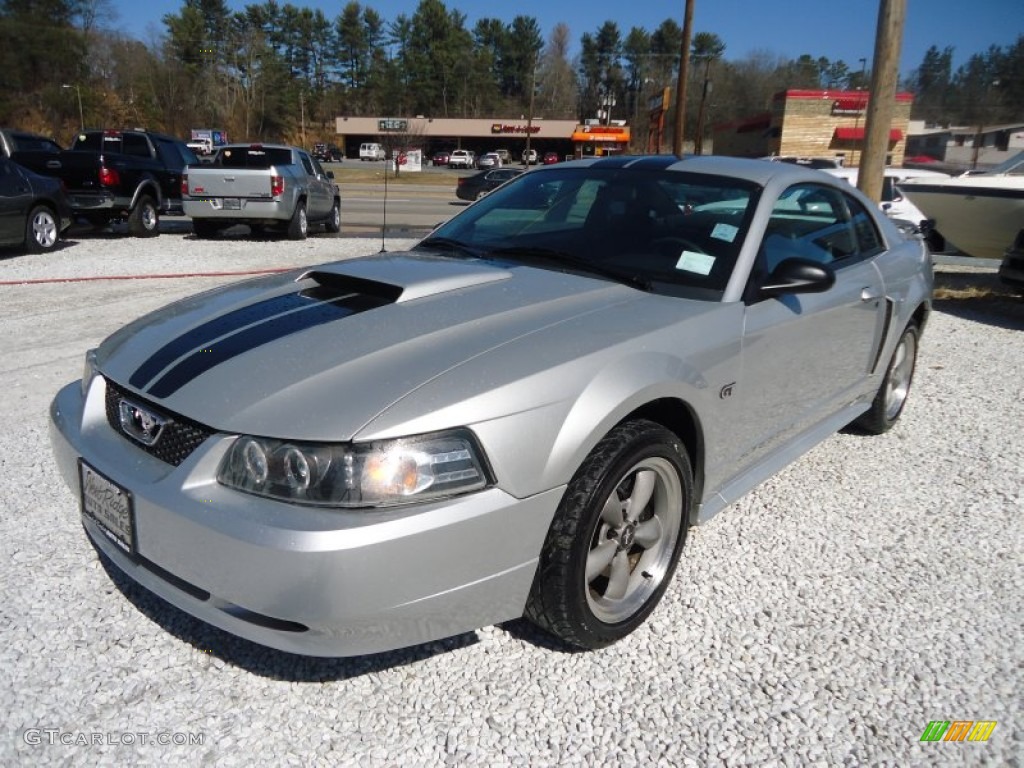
(123,175)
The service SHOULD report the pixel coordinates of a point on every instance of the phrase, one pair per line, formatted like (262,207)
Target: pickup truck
(266,186)
(114,175)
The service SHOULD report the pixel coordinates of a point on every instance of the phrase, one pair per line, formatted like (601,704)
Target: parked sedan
(550,158)
(523,415)
(440,158)
(461,158)
(479,184)
(488,160)
(34,211)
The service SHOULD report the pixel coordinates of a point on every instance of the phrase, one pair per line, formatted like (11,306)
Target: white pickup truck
(266,186)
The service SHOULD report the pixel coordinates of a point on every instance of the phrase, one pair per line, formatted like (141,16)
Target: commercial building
(813,124)
(565,137)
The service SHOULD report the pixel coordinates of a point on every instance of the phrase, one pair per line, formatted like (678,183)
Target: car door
(317,200)
(808,356)
(15,197)
(326,184)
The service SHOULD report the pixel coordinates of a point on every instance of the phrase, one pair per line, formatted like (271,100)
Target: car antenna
(384,222)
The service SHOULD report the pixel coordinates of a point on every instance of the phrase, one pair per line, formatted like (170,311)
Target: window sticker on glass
(698,263)
(725,232)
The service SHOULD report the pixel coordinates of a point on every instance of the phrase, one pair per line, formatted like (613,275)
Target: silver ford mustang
(522,415)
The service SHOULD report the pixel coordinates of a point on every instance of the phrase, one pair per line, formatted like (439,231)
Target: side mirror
(798,276)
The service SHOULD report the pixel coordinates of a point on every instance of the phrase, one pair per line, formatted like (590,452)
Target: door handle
(870,294)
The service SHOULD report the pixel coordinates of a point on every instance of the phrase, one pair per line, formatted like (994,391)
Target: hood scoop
(404,277)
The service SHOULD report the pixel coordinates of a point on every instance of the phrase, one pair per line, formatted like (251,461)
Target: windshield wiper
(566,259)
(447,244)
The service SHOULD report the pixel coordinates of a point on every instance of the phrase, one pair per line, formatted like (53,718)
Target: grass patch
(347,175)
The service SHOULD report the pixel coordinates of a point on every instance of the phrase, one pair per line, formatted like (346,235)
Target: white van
(370,151)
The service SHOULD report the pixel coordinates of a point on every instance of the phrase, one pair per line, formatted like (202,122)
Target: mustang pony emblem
(140,424)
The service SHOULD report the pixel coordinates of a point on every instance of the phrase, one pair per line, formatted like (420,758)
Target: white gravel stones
(824,619)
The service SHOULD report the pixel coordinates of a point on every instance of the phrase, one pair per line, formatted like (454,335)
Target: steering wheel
(680,243)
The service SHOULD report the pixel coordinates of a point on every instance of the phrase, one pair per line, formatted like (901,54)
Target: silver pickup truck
(263,185)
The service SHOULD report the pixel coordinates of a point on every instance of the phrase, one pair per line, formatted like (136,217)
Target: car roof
(754,170)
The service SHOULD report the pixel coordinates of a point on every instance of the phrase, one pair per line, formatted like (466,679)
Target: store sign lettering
(505,128)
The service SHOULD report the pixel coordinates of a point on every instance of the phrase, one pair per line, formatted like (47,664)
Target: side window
(307,164)
(318,169)
(135,144)
(808,221)
(869,242)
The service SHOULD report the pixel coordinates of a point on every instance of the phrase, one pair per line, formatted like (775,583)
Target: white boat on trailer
(980,214)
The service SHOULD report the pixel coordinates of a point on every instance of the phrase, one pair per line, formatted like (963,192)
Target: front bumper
(320,582)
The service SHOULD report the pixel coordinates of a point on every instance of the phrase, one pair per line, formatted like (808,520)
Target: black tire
(595,522)
(42,232)
(144,219)
(205,229)
(888,404)
(334,219)
(298,227)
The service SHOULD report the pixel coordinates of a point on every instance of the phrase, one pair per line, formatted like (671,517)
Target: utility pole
(81,113)
(882,96)
(529,114)
(684,69)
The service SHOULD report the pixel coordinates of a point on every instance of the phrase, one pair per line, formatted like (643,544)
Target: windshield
(1014,166)
(676,233)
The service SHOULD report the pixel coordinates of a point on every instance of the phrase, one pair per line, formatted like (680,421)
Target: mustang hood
(316,355)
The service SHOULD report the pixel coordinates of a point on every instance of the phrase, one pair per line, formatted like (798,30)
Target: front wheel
(616,537)
(888,404)
(41,230)
(144,219)
(334,219)
(298,227)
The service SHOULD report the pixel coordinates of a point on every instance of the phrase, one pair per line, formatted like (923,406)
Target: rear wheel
(144,219)
(41,230)
(616,537)
(892,395)
(298,227)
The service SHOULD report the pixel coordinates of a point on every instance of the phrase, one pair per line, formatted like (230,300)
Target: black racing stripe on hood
(208,332)
(255,336)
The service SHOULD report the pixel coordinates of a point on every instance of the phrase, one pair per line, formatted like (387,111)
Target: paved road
(411,208)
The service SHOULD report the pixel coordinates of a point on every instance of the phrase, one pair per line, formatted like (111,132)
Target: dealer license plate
(232,204)
(109,506)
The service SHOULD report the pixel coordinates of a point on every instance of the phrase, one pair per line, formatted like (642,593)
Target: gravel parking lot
(825,619)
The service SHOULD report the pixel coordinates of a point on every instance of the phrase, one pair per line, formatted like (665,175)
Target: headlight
(89,371)
(376,474)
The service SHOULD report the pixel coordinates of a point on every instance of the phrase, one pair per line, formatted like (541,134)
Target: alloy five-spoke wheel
(633,545)
(888,404)
(616,537)
(901,371)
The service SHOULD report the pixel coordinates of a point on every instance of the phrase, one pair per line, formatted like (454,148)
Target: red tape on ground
(175,276)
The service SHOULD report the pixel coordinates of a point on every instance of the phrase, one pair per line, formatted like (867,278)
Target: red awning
(857,134)
(850,105)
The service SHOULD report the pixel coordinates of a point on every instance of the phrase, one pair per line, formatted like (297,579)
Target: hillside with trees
(284,72)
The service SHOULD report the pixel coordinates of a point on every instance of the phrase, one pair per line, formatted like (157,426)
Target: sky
(836,30)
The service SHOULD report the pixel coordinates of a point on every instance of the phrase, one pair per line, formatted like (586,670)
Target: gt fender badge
(726,391)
